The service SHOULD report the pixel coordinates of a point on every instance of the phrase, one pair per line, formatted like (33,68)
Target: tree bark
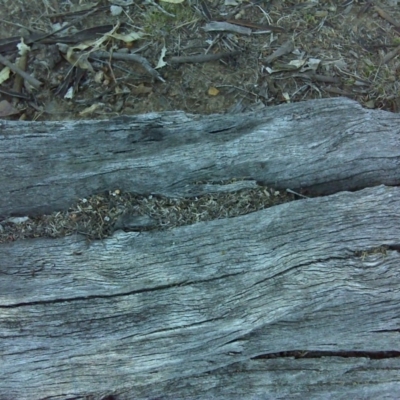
(296,301)
(324,146)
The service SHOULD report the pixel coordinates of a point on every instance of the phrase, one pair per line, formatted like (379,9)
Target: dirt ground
(87,60)
(199,56)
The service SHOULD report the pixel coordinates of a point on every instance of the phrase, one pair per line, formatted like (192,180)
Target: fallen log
(297,300)
(323,146)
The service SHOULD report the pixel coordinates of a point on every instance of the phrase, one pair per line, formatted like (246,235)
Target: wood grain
(217,309)
(325,146)
(167,314)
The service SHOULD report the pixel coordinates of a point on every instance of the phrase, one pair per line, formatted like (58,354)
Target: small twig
(153,3)
(213,42)
(297,194)
(106,62)
(30,79)
(128,57)
(237,88)
(73,13)
(383,14)
(18,25)
(392,54)
(316,77)
(285,48)
(22,63)
(63,28)
(205,10)
(11,93)
(226,27)
(201,58)
(248,24)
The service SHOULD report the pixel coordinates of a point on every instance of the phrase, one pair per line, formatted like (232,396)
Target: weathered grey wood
(326,145)
(288,378)
(174,314)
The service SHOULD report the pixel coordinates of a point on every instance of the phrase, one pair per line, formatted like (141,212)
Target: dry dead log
(216,309)
(325,146)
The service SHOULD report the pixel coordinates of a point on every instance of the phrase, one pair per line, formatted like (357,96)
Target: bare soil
(325,48)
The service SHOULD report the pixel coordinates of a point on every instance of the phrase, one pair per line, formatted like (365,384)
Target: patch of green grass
(369,70)
(179,15)
(396,41)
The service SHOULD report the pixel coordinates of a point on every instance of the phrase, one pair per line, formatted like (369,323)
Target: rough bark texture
(327,146)
(198,311)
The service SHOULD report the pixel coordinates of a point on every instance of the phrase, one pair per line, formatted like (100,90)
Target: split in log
(299,300)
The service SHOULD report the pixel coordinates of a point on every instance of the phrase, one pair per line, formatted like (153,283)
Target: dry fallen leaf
(161,62)
(213,91)
(141,89)
(6,109)
(4,74)
(129,37)
(91,109)
(80,60)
